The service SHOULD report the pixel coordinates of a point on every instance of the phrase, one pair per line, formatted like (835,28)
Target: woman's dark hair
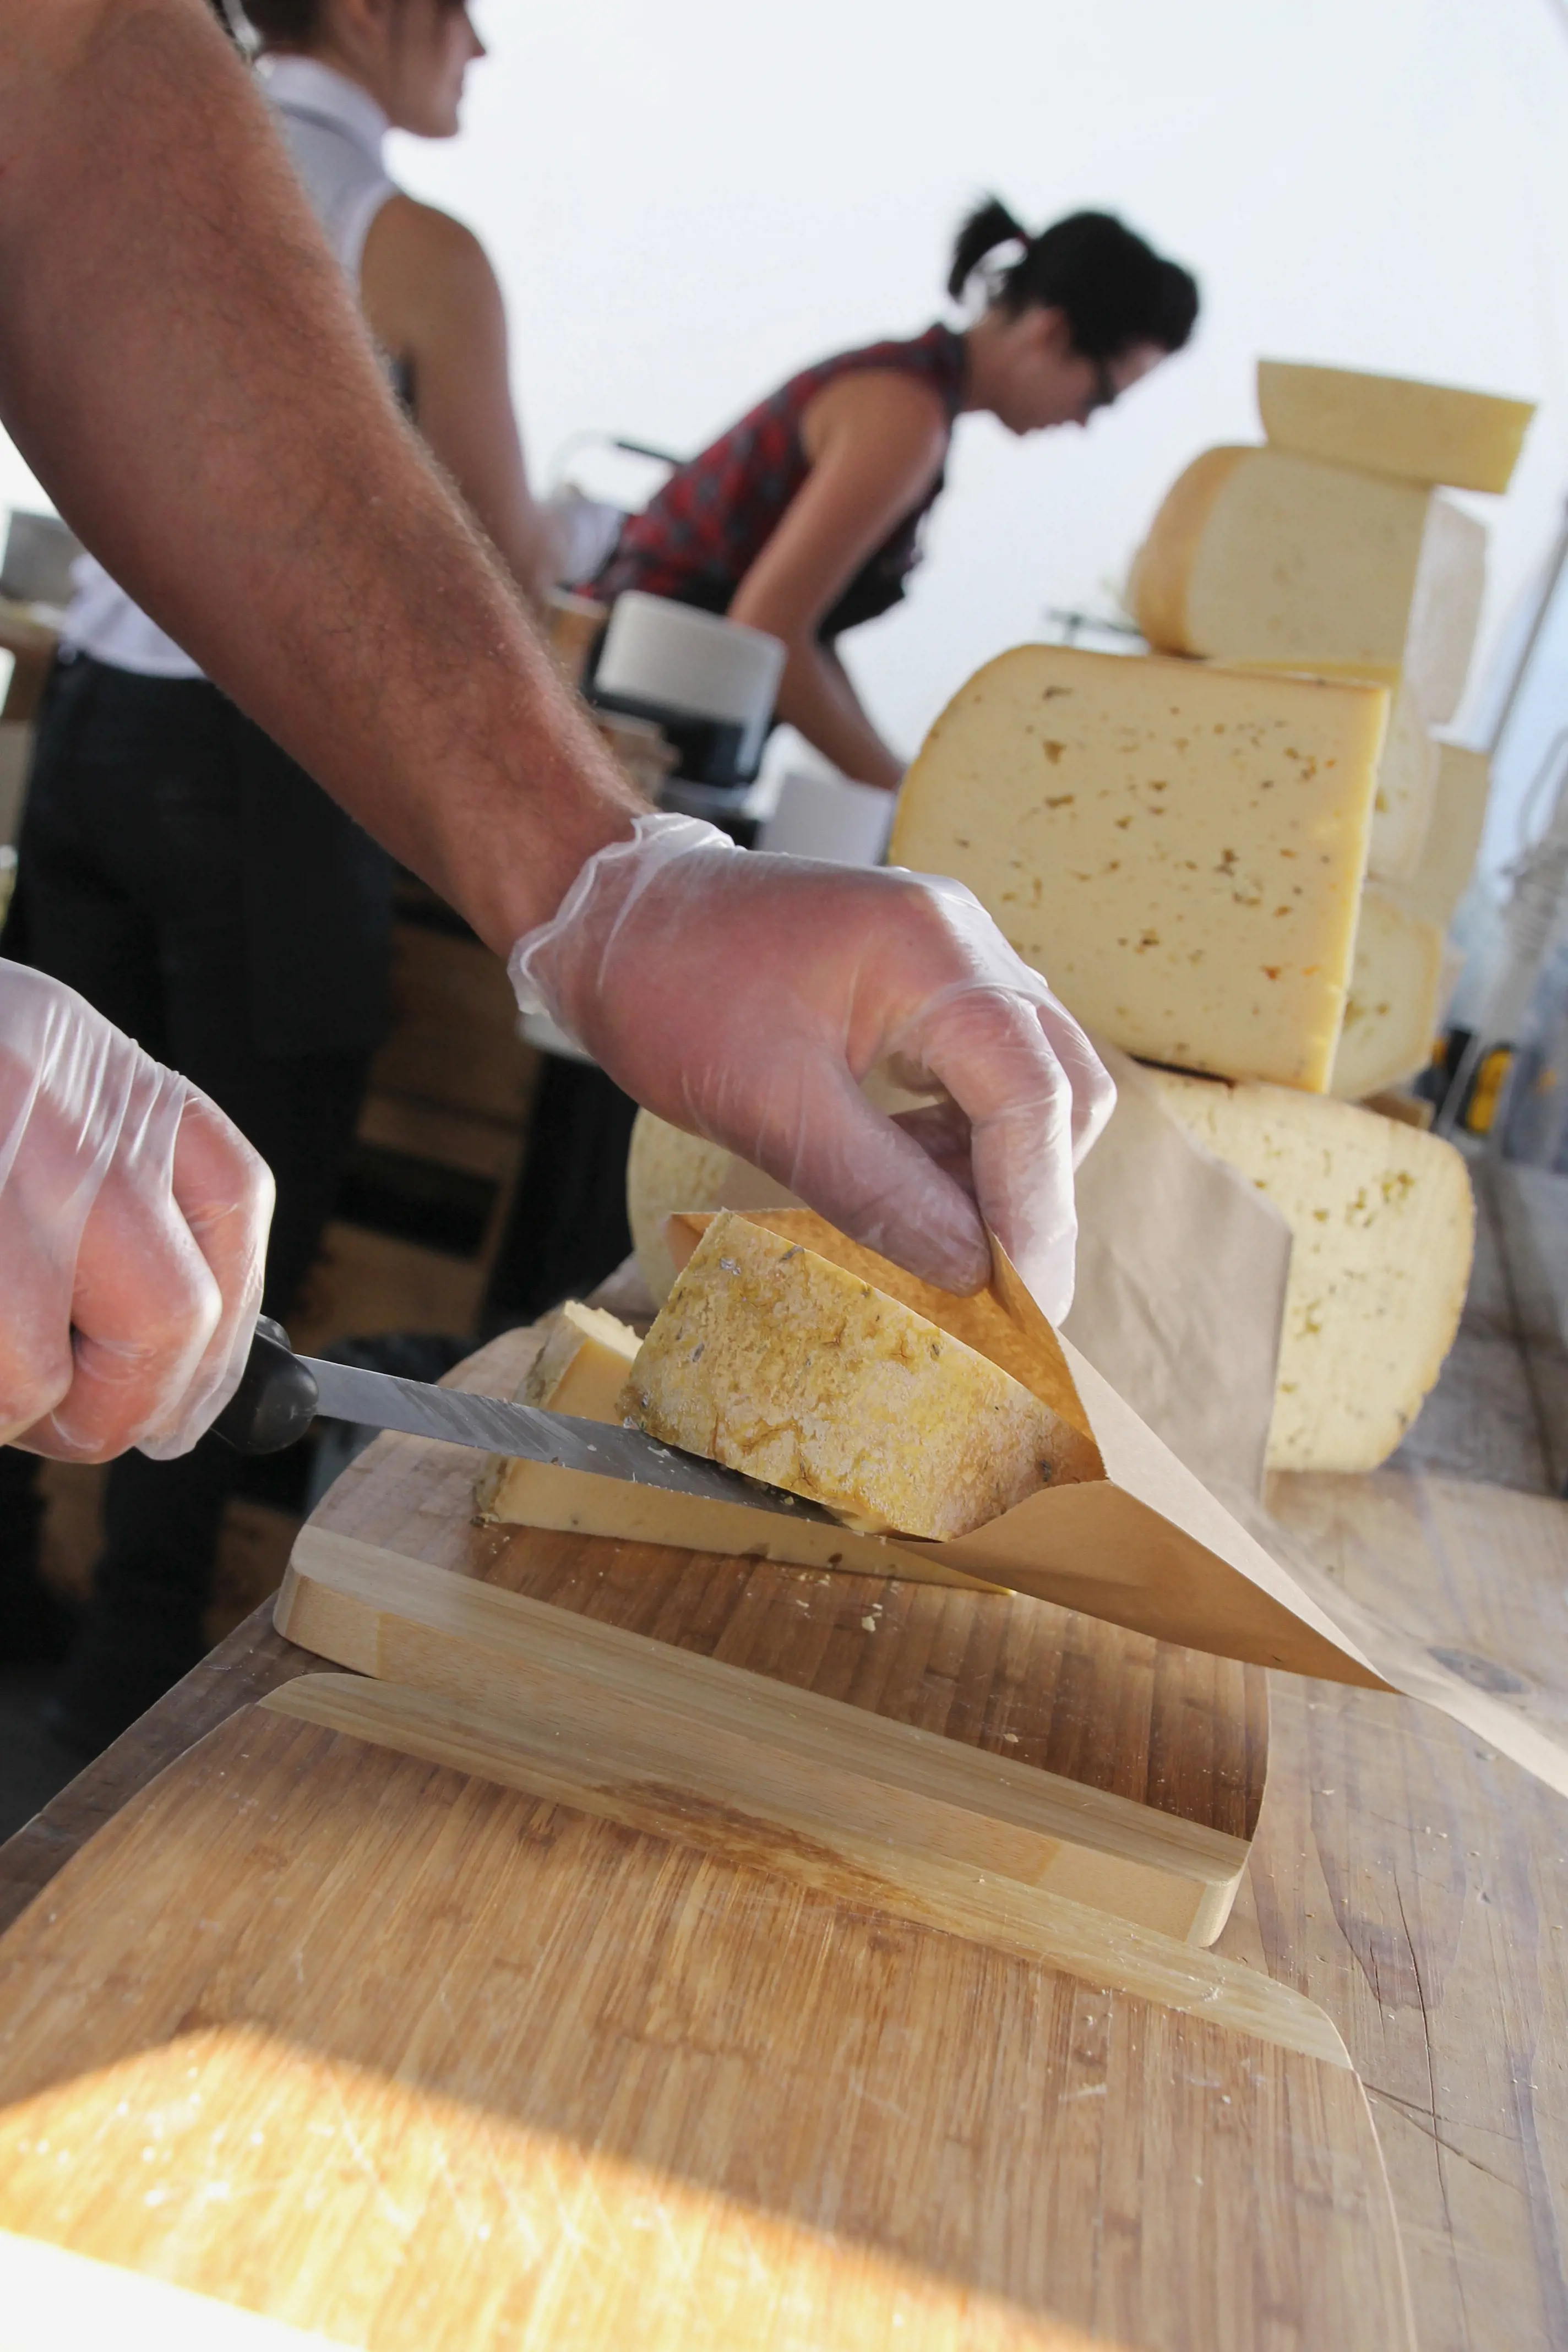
(283,20)
(1114,290)
(288,20)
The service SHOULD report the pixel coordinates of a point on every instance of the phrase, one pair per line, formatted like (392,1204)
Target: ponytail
(1115,290)
(988,226)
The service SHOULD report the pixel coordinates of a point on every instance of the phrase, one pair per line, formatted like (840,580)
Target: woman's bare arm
(183,368)
(432,302)
(876,443)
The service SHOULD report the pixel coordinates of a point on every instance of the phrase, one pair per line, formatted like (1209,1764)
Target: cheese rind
(1390,1018)
(1382,1228)
(771,1360)
(1430,432)
(1179,849)
(1260,555)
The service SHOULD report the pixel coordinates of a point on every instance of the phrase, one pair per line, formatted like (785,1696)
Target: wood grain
(1414,1881)
(647,1711)
(432,2064)
(1167,1728)
(1464,2048)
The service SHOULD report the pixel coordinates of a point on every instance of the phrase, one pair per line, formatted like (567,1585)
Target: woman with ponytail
(803,519)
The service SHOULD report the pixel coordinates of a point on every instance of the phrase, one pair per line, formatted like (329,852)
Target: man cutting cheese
(184,370)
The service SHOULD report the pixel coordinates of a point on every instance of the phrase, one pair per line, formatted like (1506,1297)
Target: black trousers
(136,885)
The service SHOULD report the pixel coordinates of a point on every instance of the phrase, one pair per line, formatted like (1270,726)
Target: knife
(280,1393)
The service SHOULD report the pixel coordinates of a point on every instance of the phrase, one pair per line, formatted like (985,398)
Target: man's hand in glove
(132,1230)
(743,998)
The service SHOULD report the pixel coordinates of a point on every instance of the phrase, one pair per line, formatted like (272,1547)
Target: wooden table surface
(1412,1882)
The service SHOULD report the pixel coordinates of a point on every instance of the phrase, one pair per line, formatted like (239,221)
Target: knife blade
(280,1394)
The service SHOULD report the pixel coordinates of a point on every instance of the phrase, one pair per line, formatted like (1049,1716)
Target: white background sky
(686,201)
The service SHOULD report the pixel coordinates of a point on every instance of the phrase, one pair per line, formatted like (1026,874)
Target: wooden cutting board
(380,2049)
(1180,1735)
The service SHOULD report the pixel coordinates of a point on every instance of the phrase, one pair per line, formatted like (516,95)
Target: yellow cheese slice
(1442,875)
(1260,555)
(1382,1227)
(1430,432)
(581,1369)
(773,1361)
(1390,1018)
(1180,849)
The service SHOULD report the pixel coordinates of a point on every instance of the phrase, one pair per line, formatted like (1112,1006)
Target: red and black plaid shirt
(698,539)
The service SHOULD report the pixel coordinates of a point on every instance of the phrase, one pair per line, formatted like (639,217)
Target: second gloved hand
(744,997)
(134,1221)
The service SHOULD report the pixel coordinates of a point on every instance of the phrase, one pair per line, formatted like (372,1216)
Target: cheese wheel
(667,1169)
(1261,555)
(1382,1227)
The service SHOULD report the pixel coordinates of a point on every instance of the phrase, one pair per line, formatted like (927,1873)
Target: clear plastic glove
(743,998)
(134,1221)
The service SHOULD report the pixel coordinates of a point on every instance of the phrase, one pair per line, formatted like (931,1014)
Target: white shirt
(335,132)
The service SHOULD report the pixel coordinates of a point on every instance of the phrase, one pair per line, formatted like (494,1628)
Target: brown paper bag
(1181,1269)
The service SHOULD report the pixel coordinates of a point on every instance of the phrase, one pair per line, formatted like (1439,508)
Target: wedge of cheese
(580,1369)
(1391,1015)
(772,1360)
(1260,555)
(1382,1228)
(1460,788)
(1430,433)
(1180,849)
(583,1369)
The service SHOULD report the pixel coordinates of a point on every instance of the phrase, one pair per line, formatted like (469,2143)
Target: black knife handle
(275,1401)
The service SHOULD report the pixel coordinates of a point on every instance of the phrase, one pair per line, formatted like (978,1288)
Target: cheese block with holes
(1430,432)
(1261,555)
(1407,772)
(1179,849)
(1382,1227)
(777,1362)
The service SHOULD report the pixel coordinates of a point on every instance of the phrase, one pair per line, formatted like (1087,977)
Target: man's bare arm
(184,371)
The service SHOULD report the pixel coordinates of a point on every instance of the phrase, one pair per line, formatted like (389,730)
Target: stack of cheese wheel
(1242,866)
(1333,549)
